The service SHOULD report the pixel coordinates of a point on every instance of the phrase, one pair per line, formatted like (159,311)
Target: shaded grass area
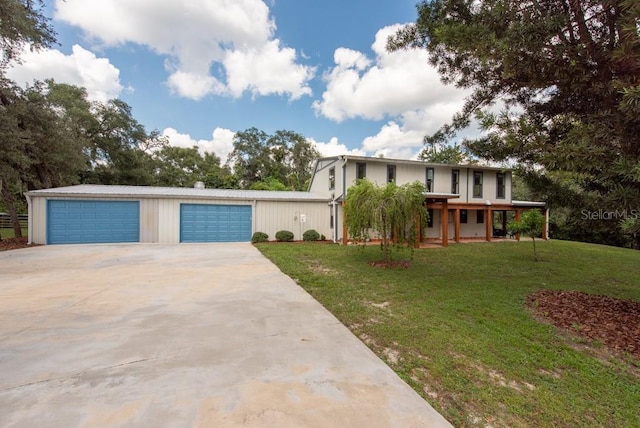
(8,232)
(455,326)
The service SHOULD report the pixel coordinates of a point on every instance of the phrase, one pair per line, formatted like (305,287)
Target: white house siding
(38,221)
(271,217)
(149,220)
(320,184)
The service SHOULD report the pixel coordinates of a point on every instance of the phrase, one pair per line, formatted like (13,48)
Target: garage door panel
(77,221)
(215,223)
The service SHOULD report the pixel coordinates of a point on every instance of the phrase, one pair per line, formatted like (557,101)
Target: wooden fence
(5,221)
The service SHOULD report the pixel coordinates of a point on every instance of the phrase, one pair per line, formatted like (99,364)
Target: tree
(568,73)
(286,157)
(182,167)
(393,212)
(449,154)
(530,224)
(22,24)
(119,147)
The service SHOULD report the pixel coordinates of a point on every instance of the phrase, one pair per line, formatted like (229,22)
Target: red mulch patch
(403,264)
(614,322)
(13,243)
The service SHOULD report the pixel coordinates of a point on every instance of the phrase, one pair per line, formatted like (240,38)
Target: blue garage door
(215,223)
(84,222)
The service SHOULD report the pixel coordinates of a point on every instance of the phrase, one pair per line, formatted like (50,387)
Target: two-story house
(463,201)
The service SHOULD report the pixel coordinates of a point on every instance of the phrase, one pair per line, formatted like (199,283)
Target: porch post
(457,224)
(504,223)
(518,213)
(445,223)
(488,220)
(545,225)
(345,231)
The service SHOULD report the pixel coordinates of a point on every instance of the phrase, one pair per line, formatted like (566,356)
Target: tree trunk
(11,207)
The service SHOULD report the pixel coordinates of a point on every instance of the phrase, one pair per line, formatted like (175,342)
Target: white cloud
(196,35)
(335,148)
(221,142)
(400,86)
(396,82)
(270,70)
(80,68)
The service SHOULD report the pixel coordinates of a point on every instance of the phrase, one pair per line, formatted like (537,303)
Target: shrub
(323,238)
(310,235)
(259,237)
(284,236)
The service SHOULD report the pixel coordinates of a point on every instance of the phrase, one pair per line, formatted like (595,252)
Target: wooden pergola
(441,202)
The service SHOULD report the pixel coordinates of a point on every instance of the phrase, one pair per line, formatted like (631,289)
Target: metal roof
(93,190)
(416,162)
(528,203)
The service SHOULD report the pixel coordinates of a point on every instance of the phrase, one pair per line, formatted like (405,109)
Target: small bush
(284,236)
(323,238)
(259,237)
(310,235)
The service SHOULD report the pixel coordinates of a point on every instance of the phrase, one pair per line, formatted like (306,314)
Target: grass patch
(455,327)
(8,232)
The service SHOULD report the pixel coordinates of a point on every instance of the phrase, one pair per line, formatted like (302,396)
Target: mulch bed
(13,243)
(614,322)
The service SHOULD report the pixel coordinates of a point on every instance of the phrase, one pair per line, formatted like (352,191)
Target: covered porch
(462,222)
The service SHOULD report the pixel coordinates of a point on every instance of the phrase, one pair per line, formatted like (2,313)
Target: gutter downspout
(29,220)
(467,197)
(344,196)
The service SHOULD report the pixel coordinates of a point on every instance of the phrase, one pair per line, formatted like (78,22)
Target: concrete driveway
(181,335)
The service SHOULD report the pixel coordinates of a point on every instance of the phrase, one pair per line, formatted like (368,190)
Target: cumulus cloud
(335,148)
(80,68)
(399,86)
(221,142)
(197,35)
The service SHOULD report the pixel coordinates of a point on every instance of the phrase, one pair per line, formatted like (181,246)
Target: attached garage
(113,214)
(88,222)
(215,223)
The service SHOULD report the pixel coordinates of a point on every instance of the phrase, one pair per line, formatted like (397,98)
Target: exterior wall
(149,220)
(270,217)
(38,221)
(320,183)
(470,229)
(160,217)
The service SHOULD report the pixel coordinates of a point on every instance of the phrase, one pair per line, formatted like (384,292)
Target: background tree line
(52,135)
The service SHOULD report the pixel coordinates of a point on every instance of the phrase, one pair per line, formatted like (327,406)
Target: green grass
(455,326)
(8,232)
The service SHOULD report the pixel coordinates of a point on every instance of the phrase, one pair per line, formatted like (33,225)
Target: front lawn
(454,325)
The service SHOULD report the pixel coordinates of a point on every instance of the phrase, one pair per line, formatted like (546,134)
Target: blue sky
(199,70)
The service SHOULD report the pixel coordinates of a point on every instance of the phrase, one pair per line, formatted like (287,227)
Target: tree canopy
(567,73)
(263,161)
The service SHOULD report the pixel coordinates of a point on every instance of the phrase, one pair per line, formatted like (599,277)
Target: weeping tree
(392,213)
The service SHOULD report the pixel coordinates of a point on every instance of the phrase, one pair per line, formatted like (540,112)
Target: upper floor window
(429,180)
(391,173)
(332,178)
(500,185)
(455,181)
(477,184)
(361,170)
